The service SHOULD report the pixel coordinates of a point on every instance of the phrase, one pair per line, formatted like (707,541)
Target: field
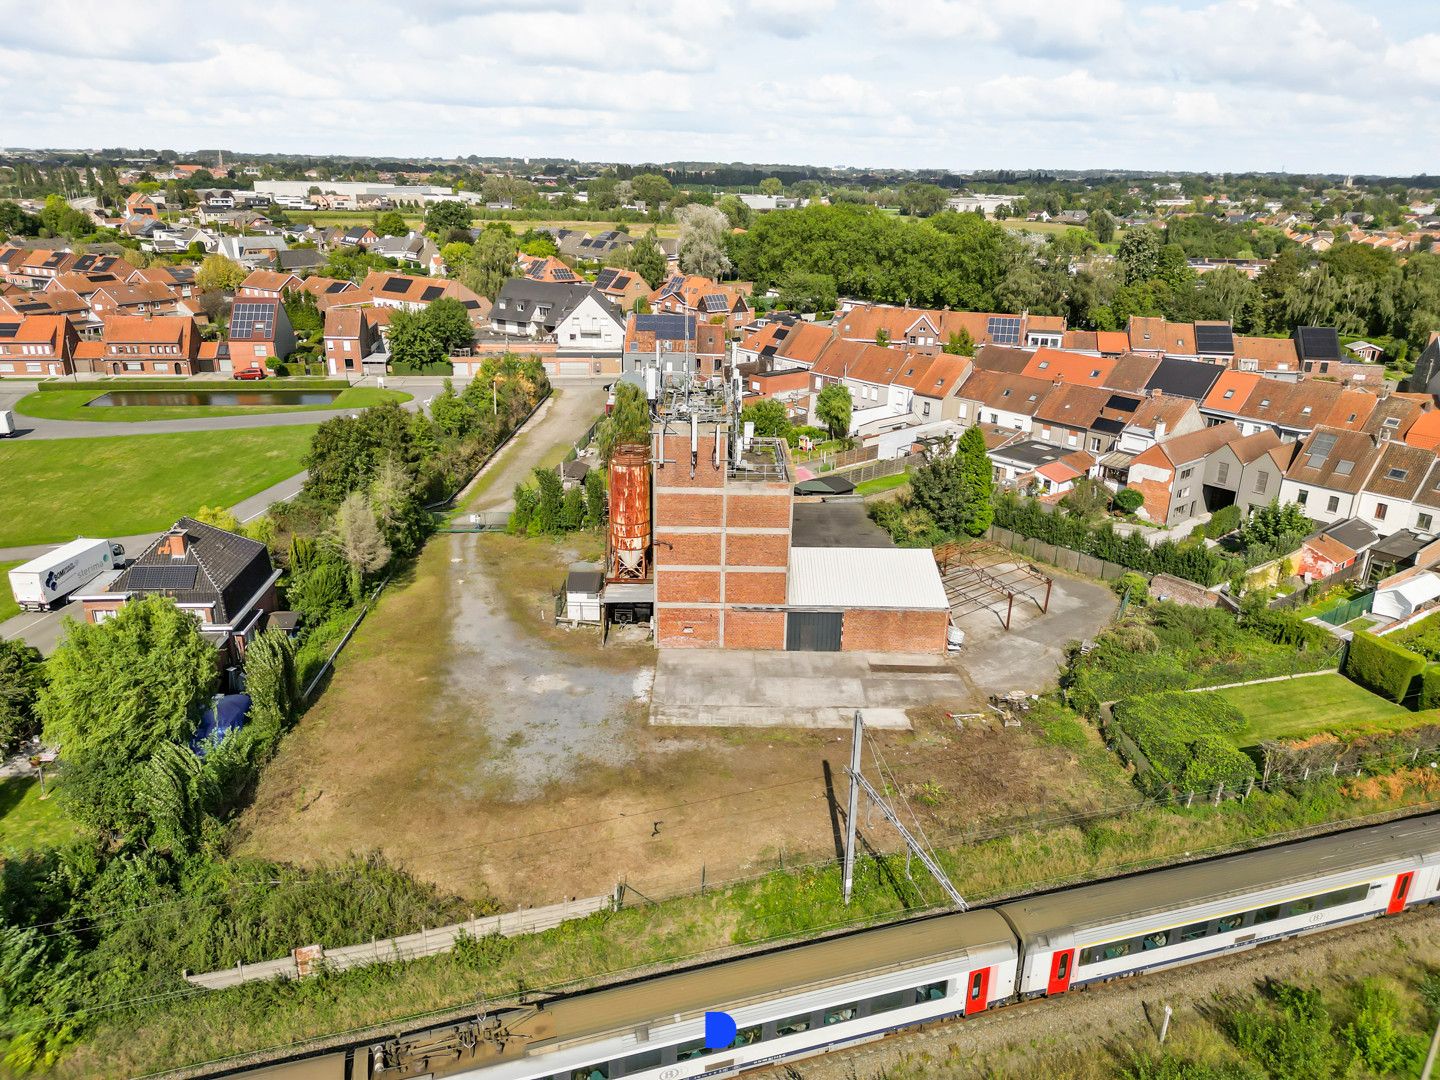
(71,404)
(121,485)
(27,822)
(1330,704)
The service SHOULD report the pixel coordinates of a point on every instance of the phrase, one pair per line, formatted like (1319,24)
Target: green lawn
(59,489)
(71,404)
(1317,704)
(28,822)
(882,483)
(8,606)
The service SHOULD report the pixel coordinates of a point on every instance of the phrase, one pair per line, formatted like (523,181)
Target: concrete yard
(734,688)
(1028,655)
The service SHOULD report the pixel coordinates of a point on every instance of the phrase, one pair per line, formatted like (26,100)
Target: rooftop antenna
(694,443)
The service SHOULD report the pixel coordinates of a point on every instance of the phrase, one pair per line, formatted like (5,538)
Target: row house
(674,343)
(623,288)
(412,249)
(1001,399)
(149,345)
(933,382)
(691,294)
(354,340)
(1292,410)
(142,298)
(37,345)
(1251,468)
(267,285)
(1171,475)
(180,280)
(1334,469)
(410,293)
(259,331)
(576,317)
(872,374)
(924,328)
(328,292)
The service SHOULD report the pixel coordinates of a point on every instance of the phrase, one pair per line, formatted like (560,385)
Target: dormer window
(1229,394)
(1044,364)
(1264,403)
(1305,411)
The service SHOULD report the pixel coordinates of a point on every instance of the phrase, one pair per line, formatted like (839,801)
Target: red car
(250,374)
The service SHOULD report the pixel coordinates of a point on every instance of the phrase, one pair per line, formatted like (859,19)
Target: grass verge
(8,607)
(1318,704)
(74,404)
(882,483)
(120,485)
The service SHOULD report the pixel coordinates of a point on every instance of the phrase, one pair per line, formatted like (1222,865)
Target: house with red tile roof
(934,382)
(623,288)
(385,288)
(711,301)
(37,345)
(547,268)
(1001,399)
(260,331)
(1329,471)
(149,345)
(1161,338)
(1387,501)
(141,298)
(353,334)
(676,342)
(267,285)
(1171,475)
(1069,368)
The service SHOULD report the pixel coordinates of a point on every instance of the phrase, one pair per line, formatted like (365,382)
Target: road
(563,419)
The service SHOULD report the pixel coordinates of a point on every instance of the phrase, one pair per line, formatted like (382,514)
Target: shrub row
(1183,738)
(1384,667)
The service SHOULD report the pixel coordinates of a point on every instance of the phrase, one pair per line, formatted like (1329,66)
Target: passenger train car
(810,998)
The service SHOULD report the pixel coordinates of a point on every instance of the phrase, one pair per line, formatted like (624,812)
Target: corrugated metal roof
(835,577)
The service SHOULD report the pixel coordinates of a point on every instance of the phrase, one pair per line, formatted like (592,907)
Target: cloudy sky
(1302,85)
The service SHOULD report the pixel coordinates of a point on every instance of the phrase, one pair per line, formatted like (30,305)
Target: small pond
(217,397)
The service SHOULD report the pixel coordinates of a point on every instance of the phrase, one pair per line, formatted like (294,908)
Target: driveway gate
(813,631)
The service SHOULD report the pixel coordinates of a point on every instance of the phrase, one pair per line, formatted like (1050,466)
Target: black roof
(825,485)
(1317,343)
(1184,378)
(298,259)
(1105,424)
(218,567)
(666,327)
(1214,339)
(1353,533)
(836,524)
(1031,452)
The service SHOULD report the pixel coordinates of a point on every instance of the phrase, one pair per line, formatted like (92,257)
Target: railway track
(1123,1008)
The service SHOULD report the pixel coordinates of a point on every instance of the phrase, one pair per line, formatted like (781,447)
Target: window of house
(1184,493)
(1095,443)
(1333,504)
(1185,475)
(1302,496)
(1424,521)
(1222,472)
(1380,509)
(1071,439)
(925,409)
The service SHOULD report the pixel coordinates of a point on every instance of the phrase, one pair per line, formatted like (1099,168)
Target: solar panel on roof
(1003,329)
(1320,448)
(605,278)
(335,286)
(432,292)
(252,320)
(9,329)
(1318,343)
(396,284)
(1214,339)
(170,578)
(715,302)
(565,275)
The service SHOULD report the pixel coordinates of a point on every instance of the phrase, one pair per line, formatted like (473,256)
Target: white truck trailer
(44,581)
(7,423)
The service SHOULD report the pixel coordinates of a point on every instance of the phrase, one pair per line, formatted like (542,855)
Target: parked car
(250,374)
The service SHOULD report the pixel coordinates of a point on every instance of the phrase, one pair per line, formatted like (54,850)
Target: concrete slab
(800,689)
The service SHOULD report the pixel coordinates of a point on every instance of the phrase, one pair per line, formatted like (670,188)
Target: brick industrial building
(739,563)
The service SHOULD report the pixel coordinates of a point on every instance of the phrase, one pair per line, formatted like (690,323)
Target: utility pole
(1434,1052)
(854,806)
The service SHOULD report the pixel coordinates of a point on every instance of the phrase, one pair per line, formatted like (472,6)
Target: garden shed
(1402,596)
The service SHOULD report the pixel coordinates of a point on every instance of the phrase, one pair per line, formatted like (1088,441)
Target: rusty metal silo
(629,548)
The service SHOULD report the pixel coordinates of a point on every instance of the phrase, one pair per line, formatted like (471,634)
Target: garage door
(813,631)
(575,367)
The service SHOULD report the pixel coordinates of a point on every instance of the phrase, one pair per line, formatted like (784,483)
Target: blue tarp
(227,714)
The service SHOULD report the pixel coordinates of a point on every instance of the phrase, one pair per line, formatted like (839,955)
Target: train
(809,998)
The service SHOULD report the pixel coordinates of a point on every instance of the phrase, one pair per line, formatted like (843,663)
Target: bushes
(1382,666)
(1225,520)
(1182,736)
(1430,687)
(1128,500)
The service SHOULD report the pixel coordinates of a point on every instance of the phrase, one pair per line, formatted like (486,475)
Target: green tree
(703,232)
(653,190)
(413,341)
(449,323)
(595,504)
(271,679)
(441,217)
(357,537)
(769,417)
(806,292)
(490,263)
(979,476)
(22,676)
(833,408)
(451,413)
(1102,225)
(346,452)
(960,343)
(546,519)
(390,223)
(219,274)
(628,422)
(172,788)
(1139,254)
(771,185)
(572,509)
(399,507)
(939,488)
(735,211)
(117,691)
(647,260)
(1268,525)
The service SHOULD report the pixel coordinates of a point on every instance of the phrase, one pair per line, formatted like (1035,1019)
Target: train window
(889,1002)
(1267,914)
(1115,950)
(977,981)
(843,1013)
(1156,941)
(1299,907)
(931,992)
(1229,922)
(793,1026)
(592,1072)
(650,1059)
(1062,972)
(1194,931)
(691,1050)
(747,1036)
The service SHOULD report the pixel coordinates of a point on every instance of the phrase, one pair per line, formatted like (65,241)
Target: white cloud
(1333,85)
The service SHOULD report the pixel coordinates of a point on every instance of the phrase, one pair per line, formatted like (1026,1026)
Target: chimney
(175,543)
(1159,430)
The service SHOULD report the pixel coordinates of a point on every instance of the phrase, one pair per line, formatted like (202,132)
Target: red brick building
(37,345)
(146,345)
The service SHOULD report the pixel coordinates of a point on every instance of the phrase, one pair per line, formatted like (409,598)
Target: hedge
(1382,666)
(1183,737)
(1430,687)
